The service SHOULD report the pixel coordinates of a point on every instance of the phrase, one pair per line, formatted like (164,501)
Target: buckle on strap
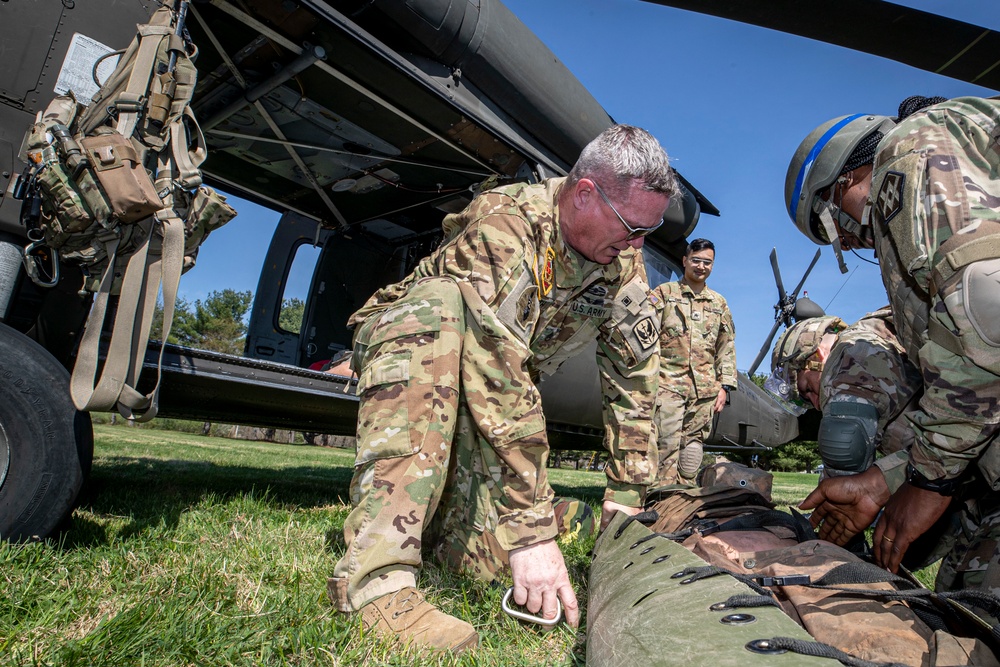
(787,580)
(710,528)
(130,103)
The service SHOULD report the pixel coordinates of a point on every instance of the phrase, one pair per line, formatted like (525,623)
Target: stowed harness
(116,188)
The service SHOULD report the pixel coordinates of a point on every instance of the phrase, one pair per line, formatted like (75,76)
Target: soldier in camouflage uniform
(859,377)
(922,189)
(697,364)
(452,446)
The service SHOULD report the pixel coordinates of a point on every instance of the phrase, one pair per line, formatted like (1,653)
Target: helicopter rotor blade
(777,274)
(765,349)
(806,274)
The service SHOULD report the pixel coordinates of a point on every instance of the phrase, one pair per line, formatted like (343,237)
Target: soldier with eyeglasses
(452,445)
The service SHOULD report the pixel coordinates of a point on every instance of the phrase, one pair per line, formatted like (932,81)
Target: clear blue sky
(730,103)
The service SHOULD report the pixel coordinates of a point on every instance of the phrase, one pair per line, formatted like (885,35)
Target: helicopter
(363,123)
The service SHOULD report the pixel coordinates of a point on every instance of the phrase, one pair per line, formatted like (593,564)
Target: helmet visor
(781,385)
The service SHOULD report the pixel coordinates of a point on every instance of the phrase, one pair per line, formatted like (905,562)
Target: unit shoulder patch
(646,333)
(889,200)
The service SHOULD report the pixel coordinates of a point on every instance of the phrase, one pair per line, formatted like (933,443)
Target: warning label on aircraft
(76,73)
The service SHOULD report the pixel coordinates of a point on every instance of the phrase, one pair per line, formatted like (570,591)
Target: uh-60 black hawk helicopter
(363,123)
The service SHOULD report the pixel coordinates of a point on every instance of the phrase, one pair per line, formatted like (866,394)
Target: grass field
(189,550)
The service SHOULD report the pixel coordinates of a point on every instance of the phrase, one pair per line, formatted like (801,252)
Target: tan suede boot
(414,621)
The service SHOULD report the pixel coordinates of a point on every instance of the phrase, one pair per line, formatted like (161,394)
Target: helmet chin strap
(822,209)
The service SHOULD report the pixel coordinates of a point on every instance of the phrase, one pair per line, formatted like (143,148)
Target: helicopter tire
(46,444)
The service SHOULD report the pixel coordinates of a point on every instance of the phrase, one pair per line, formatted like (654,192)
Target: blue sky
(730,103)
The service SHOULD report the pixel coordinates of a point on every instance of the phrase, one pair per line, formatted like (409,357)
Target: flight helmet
(794,353)
(818,162)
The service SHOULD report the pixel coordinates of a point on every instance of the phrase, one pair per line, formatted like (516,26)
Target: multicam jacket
(868,364)
(697,341)
(934,207)
(540,301)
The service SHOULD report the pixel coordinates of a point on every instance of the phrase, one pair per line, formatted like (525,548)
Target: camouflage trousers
(683,424)
(427,479)
(970,547)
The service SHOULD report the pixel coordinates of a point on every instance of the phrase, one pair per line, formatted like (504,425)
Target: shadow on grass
(153,493)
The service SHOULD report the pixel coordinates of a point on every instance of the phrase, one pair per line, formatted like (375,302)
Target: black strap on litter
(931,607)
(763,597)
(858,572)
(821,650)
(694,574)
(647,518)
(746,601)
(795,522)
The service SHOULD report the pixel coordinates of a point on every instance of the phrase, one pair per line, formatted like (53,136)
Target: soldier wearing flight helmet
(923,190)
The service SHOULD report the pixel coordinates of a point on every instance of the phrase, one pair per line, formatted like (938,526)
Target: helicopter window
(297,283)
(659,269)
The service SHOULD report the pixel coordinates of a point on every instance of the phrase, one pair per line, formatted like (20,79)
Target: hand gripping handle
(514,613)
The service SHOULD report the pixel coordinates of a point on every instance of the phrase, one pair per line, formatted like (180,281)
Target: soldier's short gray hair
(624,154)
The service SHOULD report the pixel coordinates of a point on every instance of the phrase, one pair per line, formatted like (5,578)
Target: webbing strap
(83,383)
(150,36)
(963,249)
(106,391)
(187,159)
(794,521)
(145,273)
(943,336)
(820,650)
(172,263)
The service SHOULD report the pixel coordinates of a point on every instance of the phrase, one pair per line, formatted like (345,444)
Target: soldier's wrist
(941,486)
(893,469)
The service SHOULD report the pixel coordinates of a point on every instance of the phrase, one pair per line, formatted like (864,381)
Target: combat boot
(414,621)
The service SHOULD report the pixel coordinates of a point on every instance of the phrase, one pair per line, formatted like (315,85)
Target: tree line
(219,321)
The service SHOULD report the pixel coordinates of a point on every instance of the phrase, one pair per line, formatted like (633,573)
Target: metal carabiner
(32,265)
(514,613)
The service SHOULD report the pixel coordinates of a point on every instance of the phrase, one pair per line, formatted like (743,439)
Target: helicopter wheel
(46,444)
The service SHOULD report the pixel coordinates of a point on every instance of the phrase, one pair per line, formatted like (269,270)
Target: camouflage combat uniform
(452,446)
(697,357)
(935,215)
(868,365)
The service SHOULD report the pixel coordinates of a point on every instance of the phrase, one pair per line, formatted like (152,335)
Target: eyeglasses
(700,261)
(633,232)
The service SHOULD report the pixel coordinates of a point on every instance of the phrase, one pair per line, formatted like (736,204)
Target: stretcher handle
(514,613)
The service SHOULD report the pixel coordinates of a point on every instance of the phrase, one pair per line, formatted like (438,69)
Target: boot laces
(405,604)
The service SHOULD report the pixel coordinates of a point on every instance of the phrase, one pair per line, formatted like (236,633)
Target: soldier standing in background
(697,364)
(922,189)
(452,445)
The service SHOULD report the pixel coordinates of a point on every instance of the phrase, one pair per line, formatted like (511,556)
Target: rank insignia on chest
(890,196)
(645,332)
(696,316)
(548,278)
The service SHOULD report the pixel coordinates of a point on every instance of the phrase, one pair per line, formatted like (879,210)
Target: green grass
(188,550)
(791,488)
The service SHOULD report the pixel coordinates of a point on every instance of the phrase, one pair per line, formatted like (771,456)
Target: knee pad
(689,459)
(847,436)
